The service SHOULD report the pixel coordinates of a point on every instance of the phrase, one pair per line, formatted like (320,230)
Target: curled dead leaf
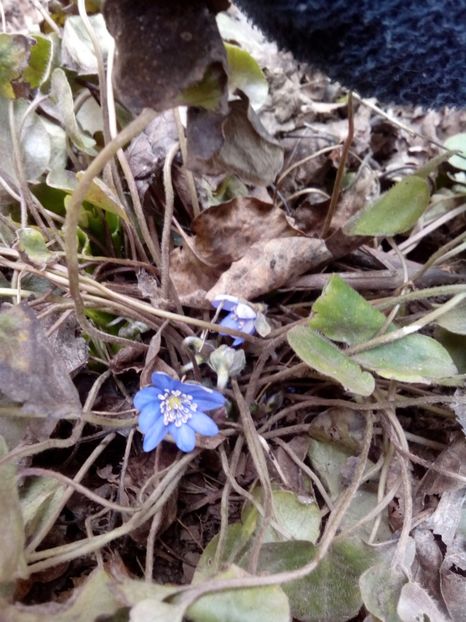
(225,232)
(268,266)
(233,143)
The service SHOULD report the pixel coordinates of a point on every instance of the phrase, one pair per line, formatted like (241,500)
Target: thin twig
(341,170)
(167,221)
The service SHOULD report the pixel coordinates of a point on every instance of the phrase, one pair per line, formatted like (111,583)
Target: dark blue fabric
(400,51)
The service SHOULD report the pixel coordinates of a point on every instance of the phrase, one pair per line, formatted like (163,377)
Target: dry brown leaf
(146,153)
(191,278)
(270,265)
(225,232)
(235,143)
(453,581)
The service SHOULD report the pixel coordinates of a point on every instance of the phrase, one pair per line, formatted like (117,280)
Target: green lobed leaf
(31,242)
(12,538)
(207,93)
(238,537)
(331,592)
(457,143)
(58,144)
(14,56)
(454,320)
(415,358)
(35,144)
(328,460)
(62,96)
(455,346)
(323,356)
(77,51)
(298,519)
(40,61)
(99,194)
(31,372)
(241,605)
(343,315)
(94,600)
(39,499)
(245,74)
(151,610)
(417,604)
(90,116)
(381,587)
(133,591)
(396,211)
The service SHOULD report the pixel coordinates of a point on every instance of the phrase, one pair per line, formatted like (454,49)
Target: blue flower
(241,316)
(169,406)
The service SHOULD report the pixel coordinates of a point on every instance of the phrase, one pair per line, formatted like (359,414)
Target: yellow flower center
(173,402)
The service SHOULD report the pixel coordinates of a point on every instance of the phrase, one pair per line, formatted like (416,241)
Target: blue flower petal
(148,416)
(162,381)
(145,396)
(183,436)
(155,435)
(203,424)
(249,327)
(204,398)
(238,341)
(229,303)
(230,321)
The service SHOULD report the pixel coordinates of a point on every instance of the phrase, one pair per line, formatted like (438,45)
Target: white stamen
(176,407)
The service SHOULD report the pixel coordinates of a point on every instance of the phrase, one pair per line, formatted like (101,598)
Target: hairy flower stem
(72,218)
(258,457)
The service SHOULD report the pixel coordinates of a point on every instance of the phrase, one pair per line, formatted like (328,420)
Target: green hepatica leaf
(415,358)
(12,560)
(93,600)
(455,320)
(62,96)
(417,604)
(331,592)
(152,610)
(131,591)
(31,372)
(342,314)
(394,212)
(381,587)
(57,139)
(328,459)
(34,142)
(77,51)
(39,499)
(40,61)
(455,345)
(208,92)
(245,74)
(31,242)
(99,194)
(297,519)
(457,143)
(14,57)
(237,537)
(268,604)
(323,356)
